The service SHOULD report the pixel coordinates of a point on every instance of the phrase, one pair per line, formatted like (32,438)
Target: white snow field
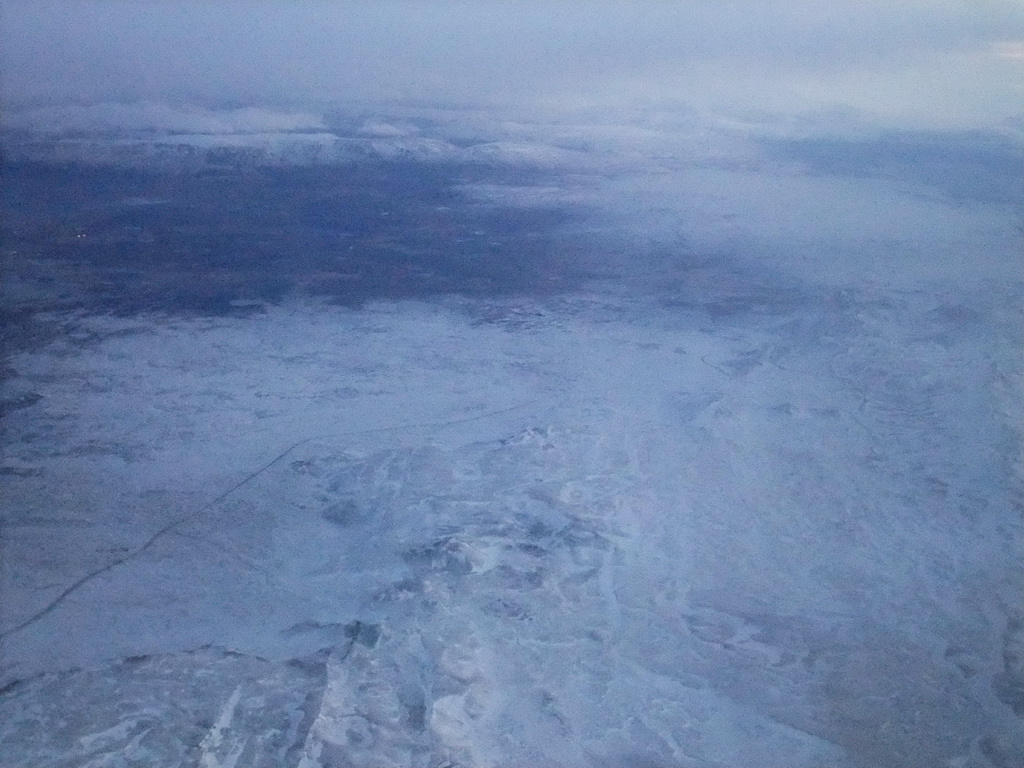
(755,503)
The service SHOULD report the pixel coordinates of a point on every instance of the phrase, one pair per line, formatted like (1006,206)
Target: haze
(920,61)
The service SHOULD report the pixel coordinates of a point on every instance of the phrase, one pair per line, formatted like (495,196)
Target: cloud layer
(931,60)
(159,117)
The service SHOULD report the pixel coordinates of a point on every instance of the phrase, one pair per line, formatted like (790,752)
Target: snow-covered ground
(753,502)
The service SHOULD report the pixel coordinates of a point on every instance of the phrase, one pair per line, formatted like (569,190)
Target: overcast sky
(923,61)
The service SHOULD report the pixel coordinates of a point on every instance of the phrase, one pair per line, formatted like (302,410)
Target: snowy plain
(748,496)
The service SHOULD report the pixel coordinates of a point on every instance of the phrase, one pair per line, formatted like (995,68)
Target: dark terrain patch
(226,240)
